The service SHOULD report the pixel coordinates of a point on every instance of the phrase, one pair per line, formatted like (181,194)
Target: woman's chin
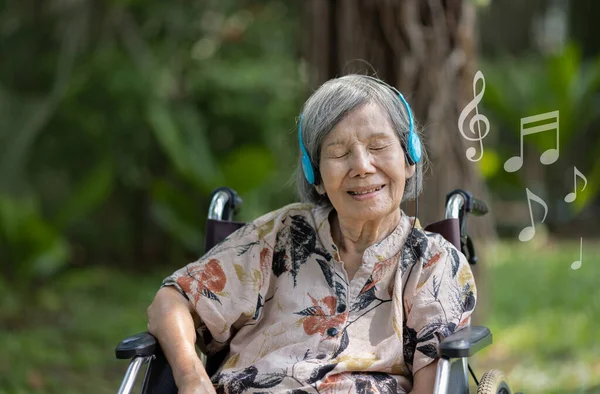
(372,211)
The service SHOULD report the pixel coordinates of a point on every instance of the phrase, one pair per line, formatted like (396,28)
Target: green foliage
(29,240)
(183,139)
(91,191)
(517,88)
(112,142)
(31,251)
(240,175)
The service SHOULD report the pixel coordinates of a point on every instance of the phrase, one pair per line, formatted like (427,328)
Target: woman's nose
(361,163)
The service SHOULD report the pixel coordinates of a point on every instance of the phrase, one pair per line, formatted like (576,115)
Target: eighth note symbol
(572,196)
(577,264)
(528,232)
(472,105)
(550,155)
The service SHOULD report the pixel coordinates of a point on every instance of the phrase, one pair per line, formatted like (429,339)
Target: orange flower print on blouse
(380,271)
(332,384)
(209,280)
(321,316)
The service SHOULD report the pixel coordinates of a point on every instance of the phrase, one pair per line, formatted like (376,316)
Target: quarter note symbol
(528,232)
(572,196)
(472,105)
(577,264)
(550,155)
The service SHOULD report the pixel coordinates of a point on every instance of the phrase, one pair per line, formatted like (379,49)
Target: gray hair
(329,105)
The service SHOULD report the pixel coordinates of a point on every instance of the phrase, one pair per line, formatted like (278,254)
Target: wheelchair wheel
(493,382)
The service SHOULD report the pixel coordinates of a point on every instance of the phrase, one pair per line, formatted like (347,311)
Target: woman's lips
(366,196)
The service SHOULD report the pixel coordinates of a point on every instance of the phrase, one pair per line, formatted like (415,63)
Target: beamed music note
(550,155)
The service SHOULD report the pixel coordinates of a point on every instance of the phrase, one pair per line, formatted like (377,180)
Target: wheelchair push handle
(459,202)
(225,202)
(479,207)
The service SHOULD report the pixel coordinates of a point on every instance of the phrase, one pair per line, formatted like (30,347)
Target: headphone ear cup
(414,150)
(309,173)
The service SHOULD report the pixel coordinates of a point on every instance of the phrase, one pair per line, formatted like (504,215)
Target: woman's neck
(352,236)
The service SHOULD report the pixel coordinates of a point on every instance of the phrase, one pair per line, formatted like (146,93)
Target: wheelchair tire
(493,382)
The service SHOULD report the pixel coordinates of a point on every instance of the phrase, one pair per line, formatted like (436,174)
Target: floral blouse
(277,294)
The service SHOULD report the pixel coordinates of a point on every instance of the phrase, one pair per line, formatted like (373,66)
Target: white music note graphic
(577,263)
(472,105)
(528,232)
(550,155)
(572,196)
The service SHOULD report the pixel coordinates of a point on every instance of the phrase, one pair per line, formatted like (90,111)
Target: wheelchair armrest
(142,344)
(465,342)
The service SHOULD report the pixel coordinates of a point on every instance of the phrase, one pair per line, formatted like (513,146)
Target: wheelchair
(454,351)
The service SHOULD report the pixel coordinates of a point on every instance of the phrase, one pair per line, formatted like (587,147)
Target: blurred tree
(120,117)
(520,39)
(426,50)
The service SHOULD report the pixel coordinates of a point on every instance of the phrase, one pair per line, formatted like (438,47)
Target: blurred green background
(118,118)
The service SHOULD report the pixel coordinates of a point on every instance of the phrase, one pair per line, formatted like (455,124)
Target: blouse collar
(383,250)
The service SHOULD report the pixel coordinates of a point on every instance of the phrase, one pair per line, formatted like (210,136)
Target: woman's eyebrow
(374,136)
(379,135)
(335,142)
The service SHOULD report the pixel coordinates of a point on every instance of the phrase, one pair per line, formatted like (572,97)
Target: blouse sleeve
(443,298)
(227,286)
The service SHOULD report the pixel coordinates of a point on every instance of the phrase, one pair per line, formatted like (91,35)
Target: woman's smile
(365,193)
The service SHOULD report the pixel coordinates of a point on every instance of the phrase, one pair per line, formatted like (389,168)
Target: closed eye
(381,147)
(339,156)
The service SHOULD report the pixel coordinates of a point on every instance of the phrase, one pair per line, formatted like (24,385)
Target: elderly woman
(341,293)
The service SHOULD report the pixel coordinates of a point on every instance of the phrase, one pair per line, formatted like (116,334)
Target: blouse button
(332,331)
(341,308)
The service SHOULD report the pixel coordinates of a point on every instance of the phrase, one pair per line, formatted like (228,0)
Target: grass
(545,318)
(66,345)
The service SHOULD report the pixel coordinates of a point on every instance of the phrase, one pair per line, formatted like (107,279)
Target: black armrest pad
(142,344)
(465,342)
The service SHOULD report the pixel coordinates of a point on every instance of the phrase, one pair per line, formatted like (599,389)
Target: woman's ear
(410,171)
(320,189)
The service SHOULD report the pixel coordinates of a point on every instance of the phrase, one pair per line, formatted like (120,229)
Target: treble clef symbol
(470,153)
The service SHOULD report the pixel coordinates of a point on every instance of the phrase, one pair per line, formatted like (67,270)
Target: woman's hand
(172,320)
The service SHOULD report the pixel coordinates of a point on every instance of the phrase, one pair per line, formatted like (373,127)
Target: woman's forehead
(365,122)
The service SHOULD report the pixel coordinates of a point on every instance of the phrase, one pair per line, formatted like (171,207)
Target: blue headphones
(413,150)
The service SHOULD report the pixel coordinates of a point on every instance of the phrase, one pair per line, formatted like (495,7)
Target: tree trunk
(426,49)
